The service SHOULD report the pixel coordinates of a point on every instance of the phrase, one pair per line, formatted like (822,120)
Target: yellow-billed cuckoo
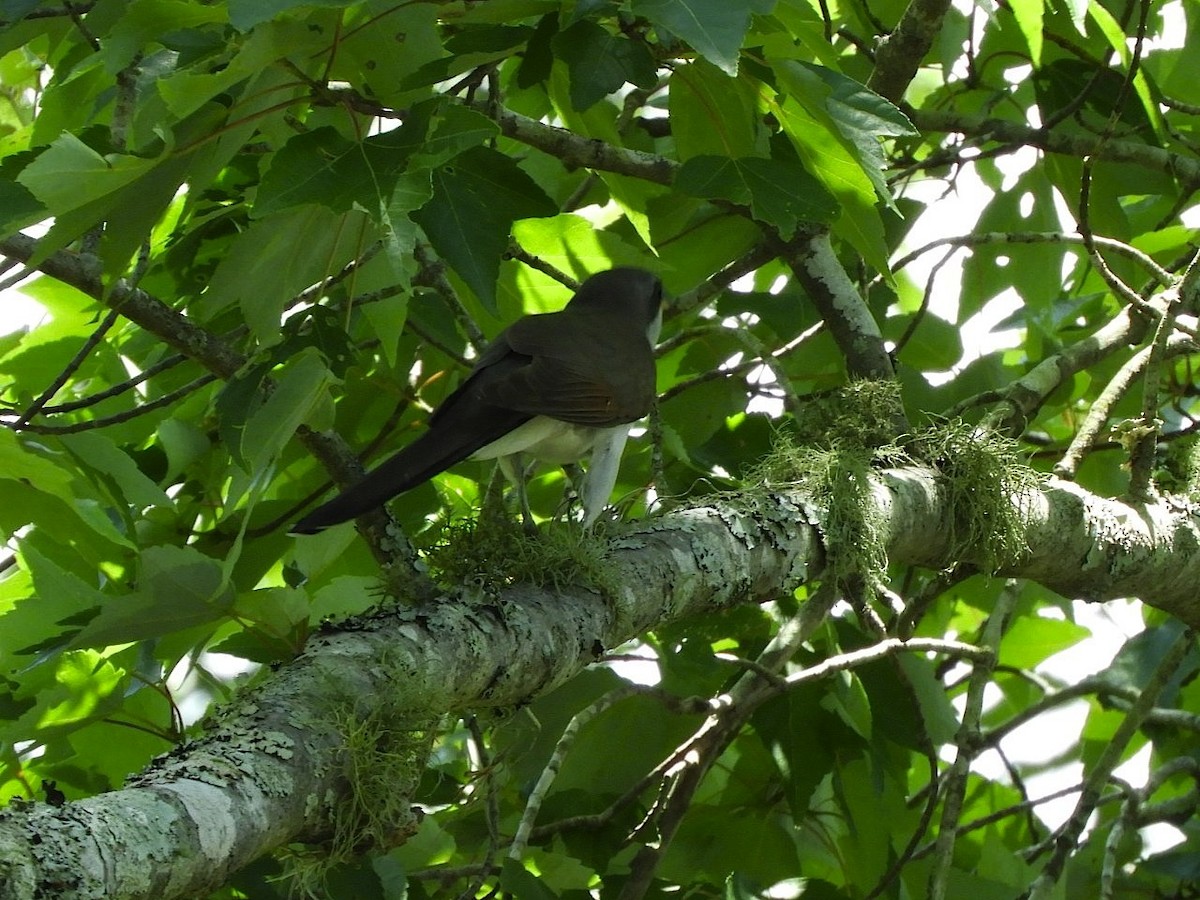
(555,386)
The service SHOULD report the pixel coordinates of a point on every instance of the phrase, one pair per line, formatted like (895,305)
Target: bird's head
(638,292)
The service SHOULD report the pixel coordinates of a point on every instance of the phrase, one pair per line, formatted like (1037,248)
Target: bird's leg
(515,470)
(572,492)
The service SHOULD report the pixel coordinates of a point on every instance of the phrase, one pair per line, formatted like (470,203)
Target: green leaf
(713,841)
(935,346)
(76,688)
(938,720)
(387,318)
(321,166)
(146,21)
(1034,639)
(571,243)
(714,114)
(475,201)
(487,38)
(236,404)
(714,28)
(279,256)
(188,89)
(245,14)
(777,191)
(69,174)
(520,883)
(298,387)
(1028,14)
(178,588)
(539,56)
(862,117)
(455,129)
(18,206)
(601,62)
(61,602)
(33,469)
(276,620)
(15,10)
(97,453)
(825,153)
(1136,661)
(803,740)
(496,11)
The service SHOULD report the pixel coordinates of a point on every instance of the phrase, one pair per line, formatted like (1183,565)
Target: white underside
(549,440)
(558,442)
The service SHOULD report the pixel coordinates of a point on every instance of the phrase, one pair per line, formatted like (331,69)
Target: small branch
(967,741)
(1100,411)
(817,268)
(69,369)
(115,390)
(433,274)
(574,150)
(1141,457)
(1184,167)
(84,273)
(128,415)
(1021,399)
(546,780)
(730,713)
(1067,839)
(1161,275)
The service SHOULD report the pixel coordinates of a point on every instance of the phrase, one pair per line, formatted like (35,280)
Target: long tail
(434,451)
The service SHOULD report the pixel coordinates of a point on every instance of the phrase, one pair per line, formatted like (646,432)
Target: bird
(552,385)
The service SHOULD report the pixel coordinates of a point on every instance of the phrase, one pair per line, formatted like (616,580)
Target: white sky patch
(1056,732)
(17,309)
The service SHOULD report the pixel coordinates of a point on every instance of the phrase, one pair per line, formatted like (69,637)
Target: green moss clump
(838,442)
(493,552)
(986,477)
(382,765)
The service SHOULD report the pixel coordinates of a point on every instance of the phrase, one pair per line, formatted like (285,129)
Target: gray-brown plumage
(555,386)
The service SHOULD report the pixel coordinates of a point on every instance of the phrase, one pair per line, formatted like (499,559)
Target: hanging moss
(836,443)
(986,478)
(381,761)
(839,440)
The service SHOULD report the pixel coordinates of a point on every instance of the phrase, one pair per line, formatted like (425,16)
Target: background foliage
(258,221)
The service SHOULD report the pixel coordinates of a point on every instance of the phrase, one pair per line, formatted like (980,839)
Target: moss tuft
(381,765)
(492,552)
(986,477)
(839,440)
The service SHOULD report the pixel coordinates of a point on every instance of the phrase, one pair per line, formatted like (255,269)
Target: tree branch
(271,766)
(1185,168)
(900,53)
(84,273)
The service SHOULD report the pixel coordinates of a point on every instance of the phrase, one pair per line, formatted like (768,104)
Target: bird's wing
(575,371)
(462,424)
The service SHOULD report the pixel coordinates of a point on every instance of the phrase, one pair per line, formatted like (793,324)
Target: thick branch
(900,53)
(83,272)
(266,772)
(574,150)
(840,304)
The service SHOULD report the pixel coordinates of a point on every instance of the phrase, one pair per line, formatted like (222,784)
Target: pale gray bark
(270,768)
